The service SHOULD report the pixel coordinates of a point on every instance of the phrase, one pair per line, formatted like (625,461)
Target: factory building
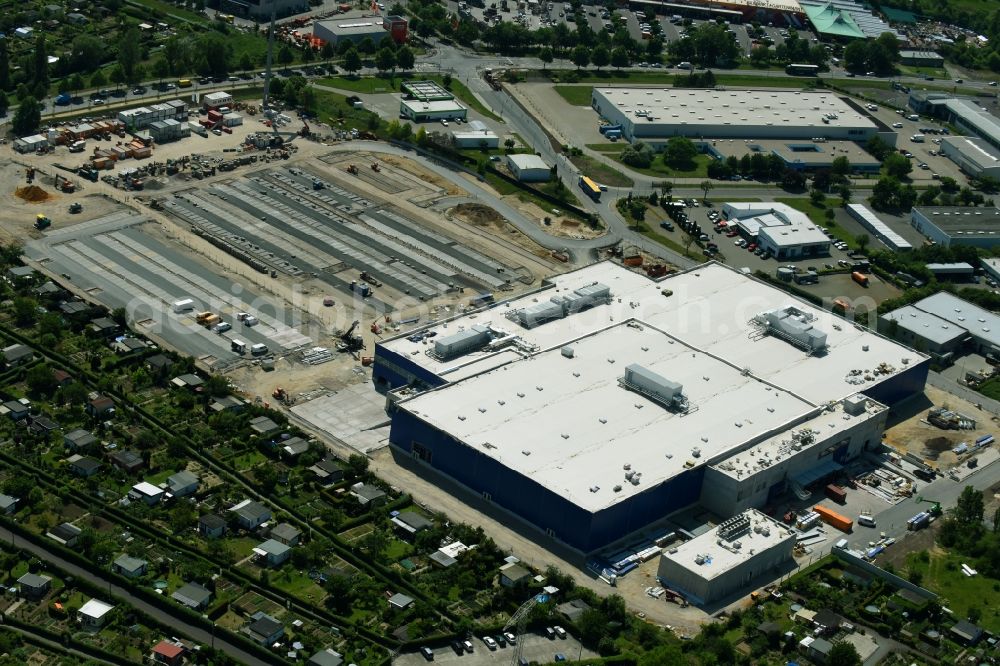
(727,558)
(877,228)
(654,115)
(528,168)
(974,156)
(478,135)
(604,401)
(958,225)
(921,58)
(945,327)
(424,101)
(358,28)
(968,115)
(798,155)
(778,228)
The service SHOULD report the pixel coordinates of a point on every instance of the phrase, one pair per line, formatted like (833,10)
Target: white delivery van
(913,116)
(258,349)
(917,138)
(238,346)
(184,305)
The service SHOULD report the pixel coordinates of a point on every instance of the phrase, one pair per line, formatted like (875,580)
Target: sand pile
(32,194)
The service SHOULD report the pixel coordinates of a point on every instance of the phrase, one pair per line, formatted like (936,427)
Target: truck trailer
(184,305)
(836,493)
(834,519)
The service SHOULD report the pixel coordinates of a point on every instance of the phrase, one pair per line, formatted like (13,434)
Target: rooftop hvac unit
(654,386)
(793,326)
(462,342)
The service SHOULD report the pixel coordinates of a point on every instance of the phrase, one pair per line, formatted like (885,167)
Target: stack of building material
(232,120)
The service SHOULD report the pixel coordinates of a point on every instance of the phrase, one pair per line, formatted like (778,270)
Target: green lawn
(658,168)
(606,147)
(991,389)
(575,95)
(168,9)
(298,585)
(943,575)
(601,172)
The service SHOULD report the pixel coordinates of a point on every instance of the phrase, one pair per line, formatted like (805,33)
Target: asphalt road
(892,521)
(123,595)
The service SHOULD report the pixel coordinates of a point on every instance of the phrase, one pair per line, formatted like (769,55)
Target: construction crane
(518,620)
(935,509)
(349,342)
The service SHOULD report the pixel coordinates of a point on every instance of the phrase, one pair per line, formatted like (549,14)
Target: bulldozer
(42,222)
(281,395)
(351,169)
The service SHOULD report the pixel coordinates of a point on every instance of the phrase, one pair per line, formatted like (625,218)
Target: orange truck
(860,278)
(831,517)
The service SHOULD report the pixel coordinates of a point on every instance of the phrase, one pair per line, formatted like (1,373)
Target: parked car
(550,633)
(427,652)
(490,643)
(458,647)
(560,632)
(511,639)
(467,645)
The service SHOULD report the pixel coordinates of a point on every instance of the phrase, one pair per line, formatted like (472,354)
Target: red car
(732,234)
(751,247)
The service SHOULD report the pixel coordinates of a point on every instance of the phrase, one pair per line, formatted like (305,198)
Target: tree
(129,54)
(160,69)
(862,241)
(637,210)
(86,53)
(4,65)
(41,62)
(545,55)
(637,155)
(666,190)
(601,57)
(4,104)
(969,509)
(509,144)
(680,152)
(285,55)
(581,56)
(405,58)
(896,165)
(367,46)
(357,464)
(845,194)
(352,60)
(75,84)
(706,186)
(266,477)
(327,52)
(98,80)
(176,53)
(117,76)
(844,654)
(876,146)
(246,62)
(817,197)
(40,381)
(375,543)
(841,166)
(620,57)
(27,118)
(385,60)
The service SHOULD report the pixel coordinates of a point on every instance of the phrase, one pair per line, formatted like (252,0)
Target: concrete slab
(354,416)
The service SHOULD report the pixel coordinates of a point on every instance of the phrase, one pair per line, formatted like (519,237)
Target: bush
(638,155)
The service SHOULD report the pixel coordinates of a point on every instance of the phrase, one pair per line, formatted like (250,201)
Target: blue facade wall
(536,504)
(907,383)
(391,370)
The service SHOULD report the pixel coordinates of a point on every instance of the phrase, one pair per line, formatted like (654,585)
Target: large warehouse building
(781,230)
(975,156)
(605,401)
(945,326)
(654,115)
(725,559)
(356,28)
(958,225)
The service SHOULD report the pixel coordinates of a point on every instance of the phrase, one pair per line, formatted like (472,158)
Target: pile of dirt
(478,214)
(32,194)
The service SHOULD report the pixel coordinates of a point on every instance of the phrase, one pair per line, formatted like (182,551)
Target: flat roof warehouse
(600,403)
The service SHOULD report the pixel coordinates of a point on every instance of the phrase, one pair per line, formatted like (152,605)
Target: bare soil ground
(915,435)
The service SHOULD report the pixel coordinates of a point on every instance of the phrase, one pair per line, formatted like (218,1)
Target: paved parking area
(117,262)
(536,649)
(354,415)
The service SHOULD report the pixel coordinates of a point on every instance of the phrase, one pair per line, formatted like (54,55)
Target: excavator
(281,395)
(376,328)
(935,509)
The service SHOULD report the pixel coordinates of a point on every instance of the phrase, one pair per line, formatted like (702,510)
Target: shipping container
(836,493)
(918,521)
(834,519)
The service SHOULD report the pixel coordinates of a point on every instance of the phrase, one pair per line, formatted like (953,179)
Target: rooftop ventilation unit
(793,326)
(735,527)
(656,387)
(462,342)
(562,305)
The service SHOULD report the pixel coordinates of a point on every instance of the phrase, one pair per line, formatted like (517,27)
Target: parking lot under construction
(297,246)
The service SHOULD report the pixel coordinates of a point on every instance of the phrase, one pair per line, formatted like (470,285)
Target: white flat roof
(974,149)
(926,325)
(431,106)
(527,161)
(712,107)
(828,423)
(147,488)
(710,310)
(568,425)
(976,320)
(95,608)
(785,226)
(716,558)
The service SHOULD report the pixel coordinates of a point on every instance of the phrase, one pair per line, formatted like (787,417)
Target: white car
(897,125)
(444,122)
(511,639)
(490,643)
